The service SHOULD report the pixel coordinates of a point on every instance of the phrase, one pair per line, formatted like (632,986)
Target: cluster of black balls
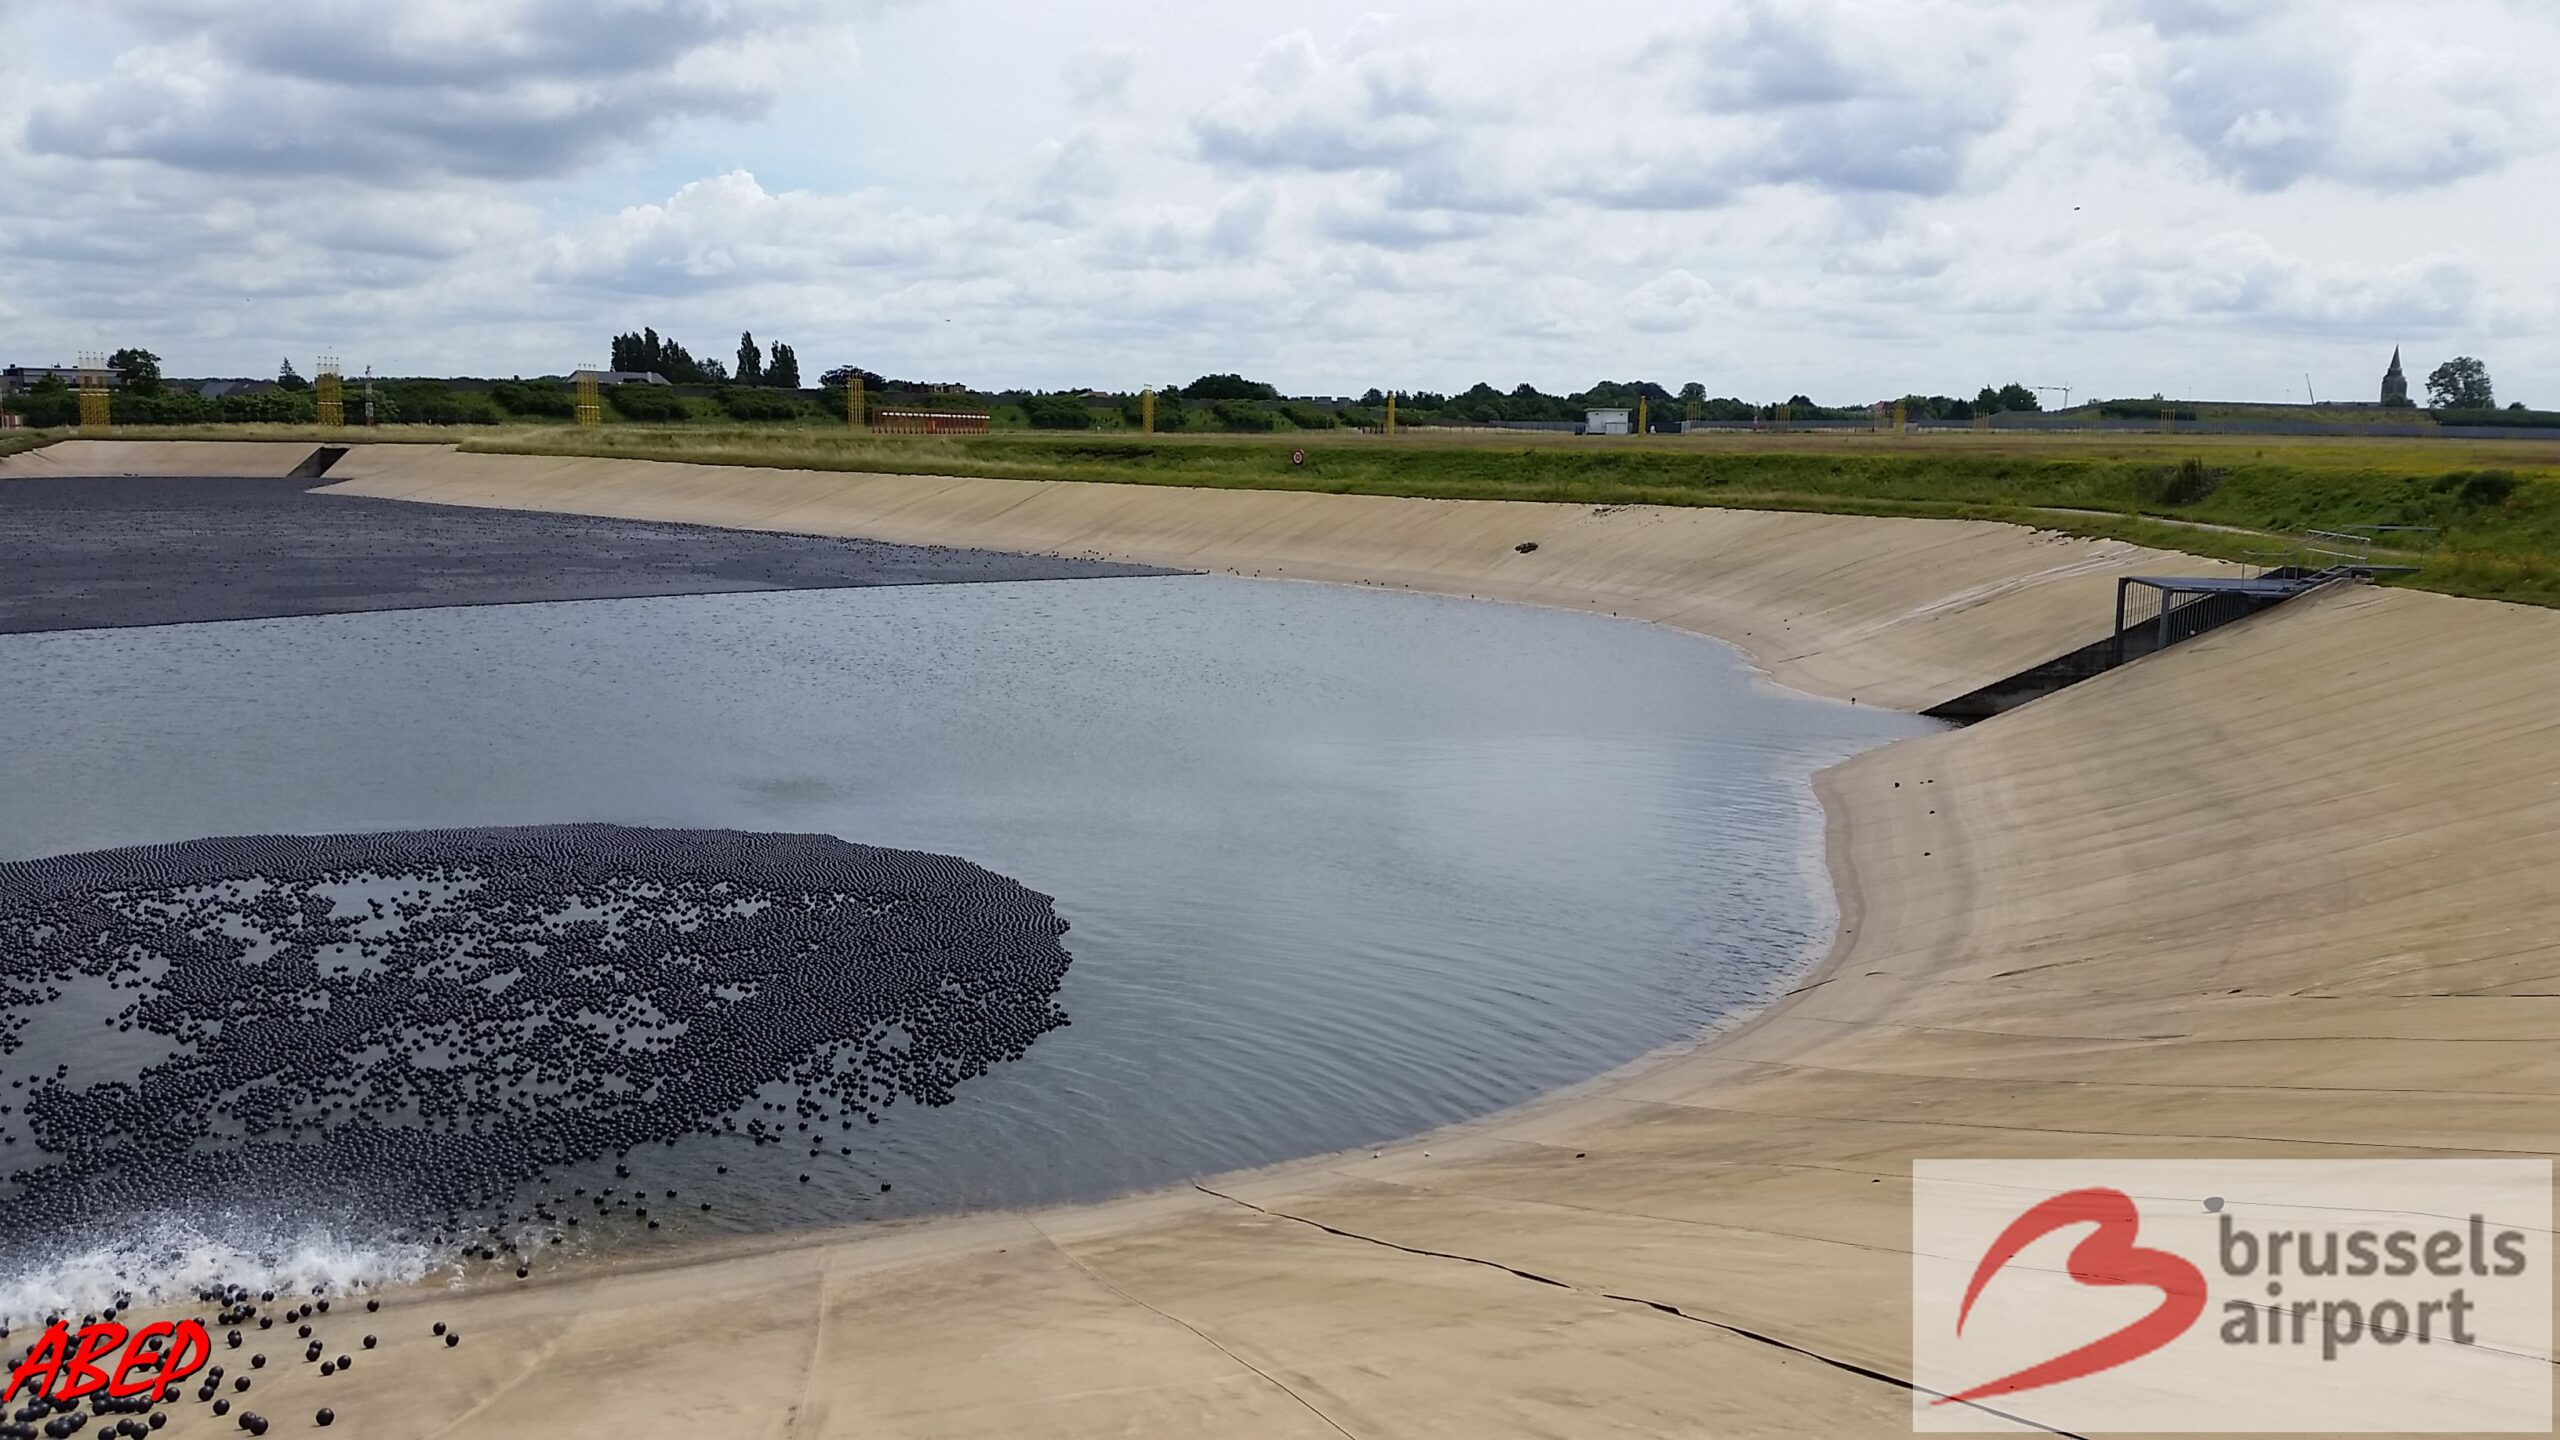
(419,1023)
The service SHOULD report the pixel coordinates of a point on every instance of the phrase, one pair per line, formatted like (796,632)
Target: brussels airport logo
(2262,1296)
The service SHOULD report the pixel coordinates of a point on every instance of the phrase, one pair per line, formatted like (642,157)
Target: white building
(24,377)
(1608,422)
(623,377)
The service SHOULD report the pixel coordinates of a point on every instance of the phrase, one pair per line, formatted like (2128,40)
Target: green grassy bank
(2494,504)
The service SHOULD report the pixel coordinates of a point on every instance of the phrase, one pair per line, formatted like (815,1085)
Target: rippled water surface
(1341,865)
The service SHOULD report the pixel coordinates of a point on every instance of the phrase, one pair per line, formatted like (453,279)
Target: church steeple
(2395,385)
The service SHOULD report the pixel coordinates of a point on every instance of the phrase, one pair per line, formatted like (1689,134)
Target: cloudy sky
(1851,198)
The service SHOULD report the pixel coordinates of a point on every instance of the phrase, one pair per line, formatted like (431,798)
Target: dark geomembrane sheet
(78,553)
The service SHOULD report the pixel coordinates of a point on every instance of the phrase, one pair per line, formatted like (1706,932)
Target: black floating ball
(677,978)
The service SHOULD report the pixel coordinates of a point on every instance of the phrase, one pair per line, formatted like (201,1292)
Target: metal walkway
(2154,612)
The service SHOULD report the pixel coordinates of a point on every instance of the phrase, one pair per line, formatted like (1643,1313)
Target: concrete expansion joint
(1658,1306)
(1212,1341)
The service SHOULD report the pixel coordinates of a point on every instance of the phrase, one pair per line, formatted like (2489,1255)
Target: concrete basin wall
(2290,889)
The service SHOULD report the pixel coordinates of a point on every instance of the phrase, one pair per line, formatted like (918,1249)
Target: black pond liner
(412,1024)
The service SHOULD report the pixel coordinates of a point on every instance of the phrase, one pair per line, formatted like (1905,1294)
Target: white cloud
(1854,95)
(1099,76)
(504,89)
(1678,301)
(729,231)
(1850,198)
(2393,98)
(1306,107)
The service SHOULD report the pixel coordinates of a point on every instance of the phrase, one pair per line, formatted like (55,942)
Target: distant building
(24,377)
(216,389)
(2395,386)
(1608,422)
(624,377)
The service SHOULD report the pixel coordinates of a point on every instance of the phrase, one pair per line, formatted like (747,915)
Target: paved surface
(88,552)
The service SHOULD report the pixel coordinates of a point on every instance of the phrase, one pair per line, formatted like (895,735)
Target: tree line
(776,366)
(766,385)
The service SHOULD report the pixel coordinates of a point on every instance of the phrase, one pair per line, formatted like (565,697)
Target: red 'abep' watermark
(103,1358)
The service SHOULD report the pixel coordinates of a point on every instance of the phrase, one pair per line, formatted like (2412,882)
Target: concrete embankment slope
(2290,889)
(224,458)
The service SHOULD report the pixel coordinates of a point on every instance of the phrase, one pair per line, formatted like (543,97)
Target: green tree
(646,402)
(750,360)
(1228,387)
(2012,396)
(287,378)
(140,368)
(280,407)
(1169,412)
(763,404)
(1243,415)
(1057,412)
(647,351)
(2461,383)
(783,370)
(534,398)
(159,407)
(45,404)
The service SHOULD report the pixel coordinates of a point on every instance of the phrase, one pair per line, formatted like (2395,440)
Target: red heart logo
(2107,1257)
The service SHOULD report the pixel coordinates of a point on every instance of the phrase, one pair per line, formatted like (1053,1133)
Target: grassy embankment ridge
(2495,504)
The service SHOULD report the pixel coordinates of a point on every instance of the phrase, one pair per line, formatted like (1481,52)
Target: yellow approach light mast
(328,397)
(97,412)
(1147,411)
(853,416)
